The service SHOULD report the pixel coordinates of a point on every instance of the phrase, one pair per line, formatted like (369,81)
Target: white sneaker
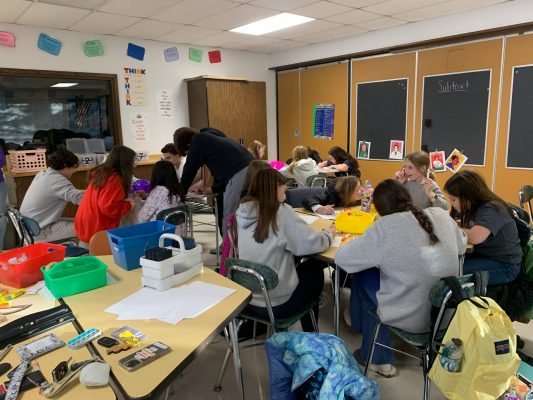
(386,370)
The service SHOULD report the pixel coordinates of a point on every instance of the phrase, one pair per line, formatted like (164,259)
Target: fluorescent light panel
(272,24)
(64,84)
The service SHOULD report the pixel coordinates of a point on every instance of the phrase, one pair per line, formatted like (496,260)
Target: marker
(345,238)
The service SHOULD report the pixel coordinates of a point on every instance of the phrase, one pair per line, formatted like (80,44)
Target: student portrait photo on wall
(396,150)
(363,151)
(437,161)
(455,160)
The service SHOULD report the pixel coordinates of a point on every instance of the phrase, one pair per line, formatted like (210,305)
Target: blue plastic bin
(128,243)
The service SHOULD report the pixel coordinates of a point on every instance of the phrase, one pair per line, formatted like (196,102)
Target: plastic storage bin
(75,275)
(353,221)
(27,160)
(95,146)
(28,272)
(128,243)
(77,145)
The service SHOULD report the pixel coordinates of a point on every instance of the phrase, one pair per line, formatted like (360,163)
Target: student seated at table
(270,232)
(397,261)
(416,177)
(489,224)
(342,161)
(106,200)
(342,192)
(48,195)
(301,166)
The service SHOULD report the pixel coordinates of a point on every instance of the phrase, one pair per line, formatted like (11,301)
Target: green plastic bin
(75,275)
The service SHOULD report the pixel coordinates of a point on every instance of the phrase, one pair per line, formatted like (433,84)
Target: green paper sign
(93,48)
(195,54)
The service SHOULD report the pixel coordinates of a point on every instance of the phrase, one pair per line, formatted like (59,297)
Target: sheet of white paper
(336,241)
(309,219)
(330,216)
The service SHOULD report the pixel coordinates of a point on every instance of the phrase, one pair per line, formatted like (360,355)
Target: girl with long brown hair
(340,160)
(342,192)
(105,202)
(395,263)
(301,166)
(271,233)
(489,224)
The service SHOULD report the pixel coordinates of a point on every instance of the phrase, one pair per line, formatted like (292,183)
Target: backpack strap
(457,291)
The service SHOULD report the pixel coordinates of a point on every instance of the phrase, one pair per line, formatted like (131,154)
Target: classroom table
(48,361)
(186,339)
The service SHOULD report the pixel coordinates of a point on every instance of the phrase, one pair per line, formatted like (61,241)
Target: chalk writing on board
(452,86)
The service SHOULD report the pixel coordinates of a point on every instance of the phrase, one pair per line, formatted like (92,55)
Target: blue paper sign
(135,51)
(171,54)
(49,44)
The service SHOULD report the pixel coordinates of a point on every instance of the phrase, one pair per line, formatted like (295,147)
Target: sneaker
(386,370)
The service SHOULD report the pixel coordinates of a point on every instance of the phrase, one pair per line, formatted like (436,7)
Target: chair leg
(425,370)
(218,384)
(371,353)
(313,320)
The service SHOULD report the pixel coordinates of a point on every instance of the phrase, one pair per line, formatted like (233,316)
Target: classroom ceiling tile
(51,16)
(281,46)
(87,4)
(281,5)
(304,29)
(188,34)
(380,23)
(357,3)
(353,17)
(252,42)
(331,34)
(450,7)
(391,7)
(12,9)
(191,11)
(321,9)
(221,39)
(148,29)
(238,16)
(136,8)
(100,22)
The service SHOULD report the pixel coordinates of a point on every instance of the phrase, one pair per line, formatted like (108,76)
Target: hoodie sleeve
(301,238)
(111,201)
(361,253)
(327,197)
(195,159)
(440,201)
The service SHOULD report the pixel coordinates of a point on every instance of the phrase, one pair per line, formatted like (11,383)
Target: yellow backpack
(489,350)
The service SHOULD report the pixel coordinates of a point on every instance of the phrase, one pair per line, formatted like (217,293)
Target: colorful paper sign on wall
(437,161)
(363,150)
(135,51)
(135,86)
(195,54)
(455,160)
(93,48)
(171,54)
(139,126)
(323,117)
(7,39)
(214,56)
(164,104)
(49,44)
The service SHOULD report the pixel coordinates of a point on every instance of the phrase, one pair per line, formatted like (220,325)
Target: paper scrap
(195,54)
(328,216)
(93,48)
(49,44)
(171,54)
(309,219)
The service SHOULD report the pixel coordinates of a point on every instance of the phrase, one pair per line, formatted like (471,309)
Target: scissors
(13,309)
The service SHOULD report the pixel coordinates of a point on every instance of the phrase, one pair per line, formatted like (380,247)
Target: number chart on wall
(454,114)
(381,117)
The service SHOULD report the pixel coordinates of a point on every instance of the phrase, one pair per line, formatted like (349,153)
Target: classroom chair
(294,197)
(99,244)
(525,196)
(259,279)
(443,308)
(27,228)
(318,180)
(177,216)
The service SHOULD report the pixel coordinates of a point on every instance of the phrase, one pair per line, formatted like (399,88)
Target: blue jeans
(3,217)
(499,272)
(365,285)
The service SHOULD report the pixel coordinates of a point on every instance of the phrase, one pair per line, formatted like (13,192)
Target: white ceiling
(207,22)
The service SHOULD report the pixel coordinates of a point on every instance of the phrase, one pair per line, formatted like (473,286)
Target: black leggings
(311,282)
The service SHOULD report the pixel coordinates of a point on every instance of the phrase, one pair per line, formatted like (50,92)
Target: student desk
(186,339)
(48,361)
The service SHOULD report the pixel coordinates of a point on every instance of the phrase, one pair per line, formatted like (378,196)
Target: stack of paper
(172,305)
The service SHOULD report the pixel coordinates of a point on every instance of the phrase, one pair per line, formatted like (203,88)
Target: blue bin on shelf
(129,243)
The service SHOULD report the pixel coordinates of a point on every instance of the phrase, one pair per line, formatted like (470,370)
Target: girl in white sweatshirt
(301,167)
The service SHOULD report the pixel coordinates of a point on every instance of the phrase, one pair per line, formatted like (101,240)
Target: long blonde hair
(298,153)
(255,148)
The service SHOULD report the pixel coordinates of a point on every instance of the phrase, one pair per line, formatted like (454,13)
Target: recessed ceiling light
(65,84)
(272,24)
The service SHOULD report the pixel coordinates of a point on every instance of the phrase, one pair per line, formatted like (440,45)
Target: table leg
(336,311)
(236,358)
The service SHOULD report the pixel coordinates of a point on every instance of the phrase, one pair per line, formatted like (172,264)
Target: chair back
(525,196)
(99,244)
(294,197)
(176,216)
(319,180)
(256,277)
(25,227)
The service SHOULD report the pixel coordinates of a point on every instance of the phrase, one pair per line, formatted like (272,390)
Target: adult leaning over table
(226,159)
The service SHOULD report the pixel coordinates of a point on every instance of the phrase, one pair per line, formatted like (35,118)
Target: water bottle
(452,355)
(366,196)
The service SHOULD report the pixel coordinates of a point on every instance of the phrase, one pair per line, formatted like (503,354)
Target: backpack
(489,349)
(229,245)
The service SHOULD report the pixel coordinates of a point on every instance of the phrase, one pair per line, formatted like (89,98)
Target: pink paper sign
(7,39)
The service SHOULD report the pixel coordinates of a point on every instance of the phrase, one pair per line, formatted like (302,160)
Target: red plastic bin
(27,273)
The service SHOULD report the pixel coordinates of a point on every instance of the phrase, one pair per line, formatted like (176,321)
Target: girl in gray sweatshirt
(269,232)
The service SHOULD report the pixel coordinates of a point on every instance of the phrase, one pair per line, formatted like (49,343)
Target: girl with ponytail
(395,264)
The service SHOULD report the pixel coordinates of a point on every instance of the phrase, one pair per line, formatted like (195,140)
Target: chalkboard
(520,146)
(381,115)
(455,114)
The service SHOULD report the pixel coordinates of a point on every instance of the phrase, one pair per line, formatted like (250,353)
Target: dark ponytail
(390,197)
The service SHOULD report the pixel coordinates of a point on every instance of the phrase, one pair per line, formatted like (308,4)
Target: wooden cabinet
(235,106)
